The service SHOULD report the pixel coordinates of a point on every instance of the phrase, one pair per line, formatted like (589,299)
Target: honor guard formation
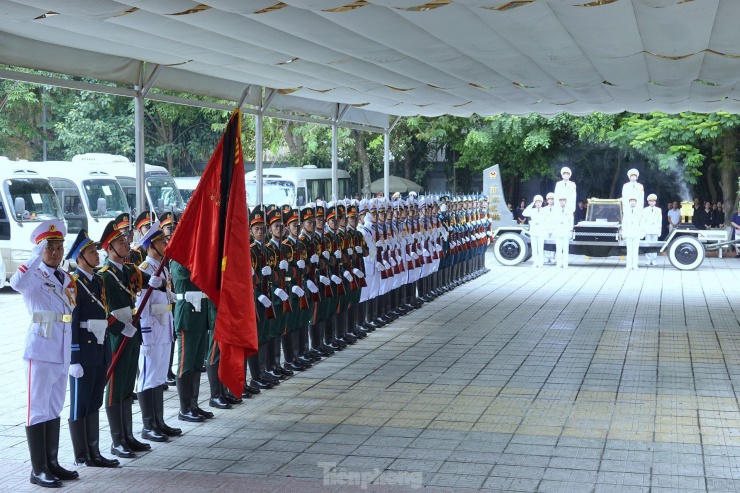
(325,276)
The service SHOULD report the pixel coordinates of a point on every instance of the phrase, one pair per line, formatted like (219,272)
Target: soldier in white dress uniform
(156,340)
(549,208)
(652,224)
(633,189)
(562,223)
(632,232)
(49,295)
(566,188)
(537,229)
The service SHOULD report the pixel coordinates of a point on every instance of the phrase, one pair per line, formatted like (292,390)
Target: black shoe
(294,366)
(275,375)
(247,394)
(232,399)
(170,379)
(190,416)
(204,413)
(219,402)
(284,371)
(252,390)
(256,385)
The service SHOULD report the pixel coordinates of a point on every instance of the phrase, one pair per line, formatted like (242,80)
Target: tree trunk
(407,166)
(710,178)
(728,172)
(615,181)
(364,174)
(293,140)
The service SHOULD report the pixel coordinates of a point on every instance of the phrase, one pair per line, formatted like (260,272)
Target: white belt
(45,319)
(181,296)
(96,327)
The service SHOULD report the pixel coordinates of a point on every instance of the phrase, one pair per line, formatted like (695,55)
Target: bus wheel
(510,249)
(686,253)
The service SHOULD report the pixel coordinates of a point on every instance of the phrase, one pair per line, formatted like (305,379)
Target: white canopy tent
(355,63)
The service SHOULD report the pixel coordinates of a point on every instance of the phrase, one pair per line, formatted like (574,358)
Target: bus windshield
(108,190)
(39,200)
(276,192)
(163,188)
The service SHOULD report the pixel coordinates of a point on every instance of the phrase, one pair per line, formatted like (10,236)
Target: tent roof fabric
(398,57)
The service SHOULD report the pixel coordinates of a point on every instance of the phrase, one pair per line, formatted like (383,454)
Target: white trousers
(633,251)
(538,250)
(46,387)
(549,255)
(651,256)
(561,251)
(153,368)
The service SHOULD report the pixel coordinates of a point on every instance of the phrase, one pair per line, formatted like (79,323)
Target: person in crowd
(537,216)
(580,212)
(633,188)
(674,216)
(718,215)
(566,188)
(632,232)
(652,219)
(518,214)
(735,222)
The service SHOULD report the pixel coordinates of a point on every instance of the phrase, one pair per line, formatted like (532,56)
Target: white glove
(358,273)
(335,279)
(266,271)
(379,243)
(146,350)
(350,251)
(39,249)
(281,294)
(386,265)
(326,254)
(252,270)
(393,261)
(264,300)
(414,255)
(298,291)
(324,280)
(358,249)
(301,264)
(337,254)
(347,275)
(129,330)
(75,370)
(314,259)
(399,259)
(438,248)
(379,266)
(312,287)
(426,253)
(155,282)
(283,264)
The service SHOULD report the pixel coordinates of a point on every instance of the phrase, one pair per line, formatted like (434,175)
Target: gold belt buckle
(133,311)
(67,318)
(169,307)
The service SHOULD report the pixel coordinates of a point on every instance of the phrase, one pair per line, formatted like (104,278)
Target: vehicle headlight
(20,255)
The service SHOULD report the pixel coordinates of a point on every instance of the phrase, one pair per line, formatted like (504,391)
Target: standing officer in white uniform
(156,340)
(632,232)
(49,295)
(537,230)
(549,208)
(633,189)
(652,223)
(562,221)
(566,188)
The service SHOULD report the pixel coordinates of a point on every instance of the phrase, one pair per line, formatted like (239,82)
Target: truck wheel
(510,249)
(686,253)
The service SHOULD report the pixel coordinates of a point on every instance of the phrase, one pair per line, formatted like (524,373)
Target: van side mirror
(102,206)
(20,207)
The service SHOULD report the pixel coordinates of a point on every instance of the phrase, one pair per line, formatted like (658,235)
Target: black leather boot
(150,431)
(119,446)
(217,399)
(78,434)
(258,381)
(159,414)
(170,375)
(184,390)
(321,327)
(92,431)
(40,473)
(195,392)
(52,450)
(127,419)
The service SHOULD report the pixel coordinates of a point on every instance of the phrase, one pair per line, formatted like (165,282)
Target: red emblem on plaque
(492,175)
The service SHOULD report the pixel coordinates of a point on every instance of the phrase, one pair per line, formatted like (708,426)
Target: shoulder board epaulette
(103,269)
(144,265)
(74,277)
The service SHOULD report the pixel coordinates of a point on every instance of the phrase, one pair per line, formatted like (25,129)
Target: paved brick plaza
(589,379)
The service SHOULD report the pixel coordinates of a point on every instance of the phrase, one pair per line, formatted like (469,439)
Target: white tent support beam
(140,92)
(44,80)
(258,124)
(339,112)
(387,157)
(245,94)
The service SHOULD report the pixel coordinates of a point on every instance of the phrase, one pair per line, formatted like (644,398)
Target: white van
(26,198)
(295,186)
(162,193)
(89,195)
(186,185)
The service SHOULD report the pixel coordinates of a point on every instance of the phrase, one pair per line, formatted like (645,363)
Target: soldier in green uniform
(297,256)
(121,283)
(309,245)
(276,260)
(263,305)
(141,225)
(319,340)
